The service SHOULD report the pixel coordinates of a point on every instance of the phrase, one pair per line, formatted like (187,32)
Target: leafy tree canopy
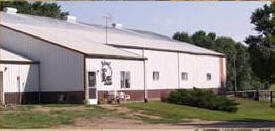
(253,62)
(259,46)
(36,8)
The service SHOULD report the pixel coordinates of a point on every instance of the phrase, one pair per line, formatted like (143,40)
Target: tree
(212,35)
(273,45)
(182,36)
(36,8)
(200,38)
(259,46)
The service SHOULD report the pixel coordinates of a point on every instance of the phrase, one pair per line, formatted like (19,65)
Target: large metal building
(77,62)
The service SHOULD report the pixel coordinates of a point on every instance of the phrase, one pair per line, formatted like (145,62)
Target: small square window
(184,76)
(155,75)
(208,76)
(125,80)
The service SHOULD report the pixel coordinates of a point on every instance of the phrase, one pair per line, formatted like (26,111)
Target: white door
(92,82)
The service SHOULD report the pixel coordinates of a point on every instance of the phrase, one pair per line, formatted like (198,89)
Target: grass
(272,87)
(26,117)
(248,111)
(33,116)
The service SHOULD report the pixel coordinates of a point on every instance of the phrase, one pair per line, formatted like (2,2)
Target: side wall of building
(61,70)
(171,65)
(20,79)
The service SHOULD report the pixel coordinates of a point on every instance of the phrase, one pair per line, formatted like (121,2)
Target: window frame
(156,75)
(208,76)
(186,74)
(124,81)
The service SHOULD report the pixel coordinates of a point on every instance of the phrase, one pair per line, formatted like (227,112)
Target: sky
(224,18)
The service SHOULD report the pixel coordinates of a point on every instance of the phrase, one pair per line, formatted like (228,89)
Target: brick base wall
(77,97)
(157,94)
(26,98)
(70,97)
(136,95)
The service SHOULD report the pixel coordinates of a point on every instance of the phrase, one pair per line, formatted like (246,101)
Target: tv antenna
(107,19)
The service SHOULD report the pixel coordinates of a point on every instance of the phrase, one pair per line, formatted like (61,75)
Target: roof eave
(18,62)
(168,50)
(105,56)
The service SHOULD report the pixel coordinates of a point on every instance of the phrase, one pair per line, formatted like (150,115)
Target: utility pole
(107,18)
(235,74)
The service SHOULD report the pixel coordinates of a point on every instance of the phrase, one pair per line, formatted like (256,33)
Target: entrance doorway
(92,85)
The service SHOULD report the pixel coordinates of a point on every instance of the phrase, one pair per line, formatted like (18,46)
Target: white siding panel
(167,65)
(29,77)
(188,64)
(135,68)
(208,64)
(61,69)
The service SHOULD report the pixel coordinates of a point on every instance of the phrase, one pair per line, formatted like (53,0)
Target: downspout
(178,70)
(39,85)
(144,71)
(3,91)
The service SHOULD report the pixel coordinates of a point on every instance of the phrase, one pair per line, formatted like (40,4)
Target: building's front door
(92,82)
(1,88)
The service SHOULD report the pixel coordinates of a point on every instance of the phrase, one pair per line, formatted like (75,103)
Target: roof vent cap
(70,18)
(116,25)
(10,10)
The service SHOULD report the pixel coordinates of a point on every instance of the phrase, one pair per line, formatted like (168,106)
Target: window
(92,79)
(184,76)
(125,79)
(208,76)
(155,75)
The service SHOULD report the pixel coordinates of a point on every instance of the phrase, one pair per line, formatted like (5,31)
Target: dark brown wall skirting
(77,97)
(70,97)
(157,94)
(138,95)
(26,98)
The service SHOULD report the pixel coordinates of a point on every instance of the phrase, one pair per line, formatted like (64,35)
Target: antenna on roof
(107,19)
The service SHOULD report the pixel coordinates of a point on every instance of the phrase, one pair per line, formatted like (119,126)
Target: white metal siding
(208,64)
(61,69)
(167,64)
(135,67)
(188,63)
(29,77)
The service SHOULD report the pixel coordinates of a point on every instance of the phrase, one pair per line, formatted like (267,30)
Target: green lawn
(48,116)
(248,110)
(56,114)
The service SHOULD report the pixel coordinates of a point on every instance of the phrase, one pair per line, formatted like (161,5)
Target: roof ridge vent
(117,25)
(10,10)
(70,18)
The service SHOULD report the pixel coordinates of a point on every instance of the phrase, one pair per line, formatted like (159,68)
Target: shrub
(201,98)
